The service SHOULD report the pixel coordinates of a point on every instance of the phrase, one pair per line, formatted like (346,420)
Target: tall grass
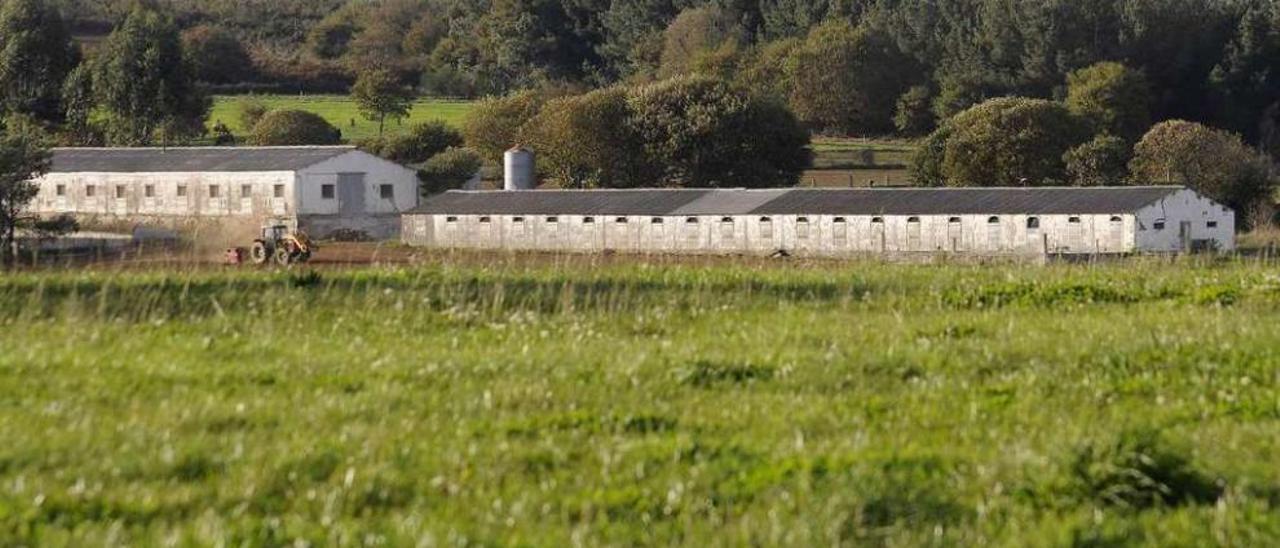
(633,403)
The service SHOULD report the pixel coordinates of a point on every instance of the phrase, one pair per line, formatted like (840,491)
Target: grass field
(553,402)
(338,110)
(859,162)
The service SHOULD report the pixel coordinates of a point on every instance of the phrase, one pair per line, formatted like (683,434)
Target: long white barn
(320,189)
(827,222)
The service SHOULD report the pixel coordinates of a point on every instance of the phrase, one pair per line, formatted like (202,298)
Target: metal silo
(518,169)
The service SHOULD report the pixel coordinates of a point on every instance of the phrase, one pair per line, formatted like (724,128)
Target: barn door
(351,193)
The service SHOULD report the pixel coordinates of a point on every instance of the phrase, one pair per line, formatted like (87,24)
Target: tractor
(282,246)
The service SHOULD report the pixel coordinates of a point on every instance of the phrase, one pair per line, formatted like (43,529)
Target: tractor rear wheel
(258,253)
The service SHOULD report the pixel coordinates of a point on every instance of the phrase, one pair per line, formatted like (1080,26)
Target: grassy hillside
(504,402)
(338,110)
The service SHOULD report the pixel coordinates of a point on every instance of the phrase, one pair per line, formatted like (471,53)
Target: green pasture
(503,401)
(339,110)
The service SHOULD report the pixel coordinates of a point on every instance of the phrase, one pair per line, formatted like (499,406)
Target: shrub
(494,125)
(585,141)
(294,127)
(1102,161)
(1010,141)
(704,132)
(419,144)
(847,79)
(449,170)
(1214,162)
(250,112)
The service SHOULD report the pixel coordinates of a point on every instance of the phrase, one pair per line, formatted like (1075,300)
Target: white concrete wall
(377,172)
(1162,225)
(125,194)
(817,235)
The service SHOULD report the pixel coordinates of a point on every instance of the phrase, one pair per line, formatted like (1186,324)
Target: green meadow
(339,110)
(618,402)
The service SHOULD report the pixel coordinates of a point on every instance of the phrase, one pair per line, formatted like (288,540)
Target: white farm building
(231,190)
(827,222)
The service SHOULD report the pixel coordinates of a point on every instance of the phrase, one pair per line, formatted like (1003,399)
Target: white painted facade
(1209,225)
(352,191)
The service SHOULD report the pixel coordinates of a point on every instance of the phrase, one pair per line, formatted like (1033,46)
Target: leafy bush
(1102,161)
(449,170)
(294,127)
(422,142)
(251,111)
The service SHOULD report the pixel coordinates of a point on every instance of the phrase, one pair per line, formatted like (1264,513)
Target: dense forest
(1208,60)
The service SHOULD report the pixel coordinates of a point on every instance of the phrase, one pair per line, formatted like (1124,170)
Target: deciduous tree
(1114,98)
(379,94)
(36,54)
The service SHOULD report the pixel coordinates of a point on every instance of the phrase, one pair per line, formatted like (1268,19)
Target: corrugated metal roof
(799,201)
(730,202)
(560,202)
(960,201)
(191,159)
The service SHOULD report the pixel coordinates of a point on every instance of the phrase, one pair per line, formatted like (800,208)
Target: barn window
(620,220)
(1073,220)
(181,192)
(993,220)
(588,220)
(277,191)
(954,220)
(691,220)
(149,191)
(246,191)
(61,190)
(1116,220)
(119,192)
(485,219)
(327,192)
(553,220)
(215,191)
(450,219)
(913,219)
(877,220)
(1158,225)
(1212,224)
(387,192)
(656,220)
(517,219)
(1033,223)
(90,191)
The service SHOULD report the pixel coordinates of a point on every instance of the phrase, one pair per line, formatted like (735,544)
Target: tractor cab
(273,233)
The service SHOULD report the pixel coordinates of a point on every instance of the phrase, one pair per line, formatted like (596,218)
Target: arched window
(484,219)
(1116,219)
(1033,223)
(553,220)
(954,220)
(1073,220)
(993,220)
(450,219)
(621,220)
(877,220)
(909,220)
(517,220)
(656,220)
(691,220)
(766,227)
(588,220)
